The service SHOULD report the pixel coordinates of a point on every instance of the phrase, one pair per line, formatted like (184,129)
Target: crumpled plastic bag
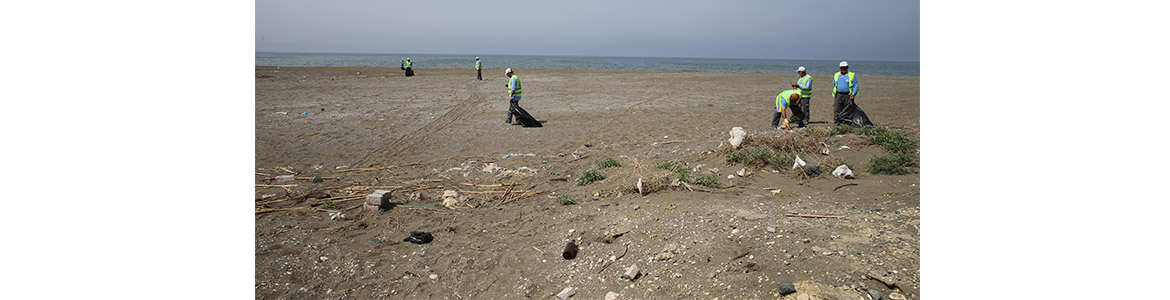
(843,172)
(737,136)
(798,163)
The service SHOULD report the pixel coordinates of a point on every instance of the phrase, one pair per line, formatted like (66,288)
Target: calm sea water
(723,65)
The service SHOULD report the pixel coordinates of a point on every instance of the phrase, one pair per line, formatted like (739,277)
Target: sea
(520,62)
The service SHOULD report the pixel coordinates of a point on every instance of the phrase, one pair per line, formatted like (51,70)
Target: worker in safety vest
(478,69)
(788,99)
(409,71)
(514,92)
(403,64)
(805,86)
(844,90)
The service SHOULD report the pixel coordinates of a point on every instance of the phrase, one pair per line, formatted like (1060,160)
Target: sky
(830,30)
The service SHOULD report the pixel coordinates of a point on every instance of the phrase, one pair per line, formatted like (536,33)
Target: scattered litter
(491,168)
(283,178)
(812,171)
(433,276)
(843,147)
(266,196)
(570,250)
(798,163)
(282,112)
(566,293)
(451,199)
(519,154)
(640,193)
(340,167)
(336,215)
(737,134)
(612,296)
(743,173)
(419,237)
(843,172)
(729,176)
(775,191)
(632,273)
(824,151)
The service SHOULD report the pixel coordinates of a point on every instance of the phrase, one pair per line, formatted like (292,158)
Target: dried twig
(843,185)
(611,262)
(375,168)
(813,216)
(745,253)
(286,170)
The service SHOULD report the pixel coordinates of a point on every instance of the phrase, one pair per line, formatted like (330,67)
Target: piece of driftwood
(275,185)
(287,170)
(812,216)
(671,142)
(375,168)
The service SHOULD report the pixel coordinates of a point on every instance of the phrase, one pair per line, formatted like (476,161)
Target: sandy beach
(363,129)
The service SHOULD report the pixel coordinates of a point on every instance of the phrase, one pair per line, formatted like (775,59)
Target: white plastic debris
(843,172)
(843,147)
(775,191)
(730,176)
(450,199)
(491,168)
(798,163)
(336,215)
(737,135)
(640,193)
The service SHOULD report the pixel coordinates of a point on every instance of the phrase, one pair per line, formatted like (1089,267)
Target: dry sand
(315,121)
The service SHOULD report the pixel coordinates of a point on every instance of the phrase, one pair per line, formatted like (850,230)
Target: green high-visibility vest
(408,64)
(805,81)
(837,76)
(782,99)
(515,93)
(478,65)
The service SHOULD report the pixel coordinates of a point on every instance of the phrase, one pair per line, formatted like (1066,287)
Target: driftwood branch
(812,216)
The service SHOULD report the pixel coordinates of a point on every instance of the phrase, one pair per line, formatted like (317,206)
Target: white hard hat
(477,57)
(407,58)
(800,69)
(509,70)
(844,63)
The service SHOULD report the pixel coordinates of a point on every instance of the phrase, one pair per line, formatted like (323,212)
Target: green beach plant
(566,200)
(608,163)
(589,177)
(896,164)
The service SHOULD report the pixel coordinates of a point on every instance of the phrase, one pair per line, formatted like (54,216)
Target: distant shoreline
(449,71)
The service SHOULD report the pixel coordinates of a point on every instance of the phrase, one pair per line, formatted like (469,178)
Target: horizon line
(568,55)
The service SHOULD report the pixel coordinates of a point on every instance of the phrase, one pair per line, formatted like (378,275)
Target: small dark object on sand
(419,237)
(812,171)
(570,251)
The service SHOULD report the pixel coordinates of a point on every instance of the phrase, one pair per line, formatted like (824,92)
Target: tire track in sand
(457,112)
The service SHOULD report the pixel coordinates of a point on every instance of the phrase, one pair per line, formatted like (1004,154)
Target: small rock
(433,276)
(611,295)
(812,170)
(804,297)
(786,288)
(323,258)
(875,295)
(896,296)
(771,229)
(632,273)
(735,231)
(566,293)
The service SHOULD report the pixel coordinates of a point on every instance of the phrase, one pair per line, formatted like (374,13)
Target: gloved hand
(785,123)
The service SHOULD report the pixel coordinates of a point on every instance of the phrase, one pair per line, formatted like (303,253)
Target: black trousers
(842,108)
(797,117)
(479,74)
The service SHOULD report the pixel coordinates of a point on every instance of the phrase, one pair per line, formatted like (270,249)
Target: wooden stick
(274,185)
(490,192)
(611,262)
(492,185)
(812,216)
(444,177)
(505,195)
(739,256)
(286,170)
(311,178)
(843,185)
(672,142)
(375,168)
(525,195)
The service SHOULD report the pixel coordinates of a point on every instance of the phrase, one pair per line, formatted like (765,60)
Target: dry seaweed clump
(794,143)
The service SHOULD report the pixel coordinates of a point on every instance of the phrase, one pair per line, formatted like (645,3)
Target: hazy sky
(807,29)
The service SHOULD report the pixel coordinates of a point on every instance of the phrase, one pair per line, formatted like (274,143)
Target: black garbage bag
(409,72)
(419,237)
(853,115)
(526,119)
